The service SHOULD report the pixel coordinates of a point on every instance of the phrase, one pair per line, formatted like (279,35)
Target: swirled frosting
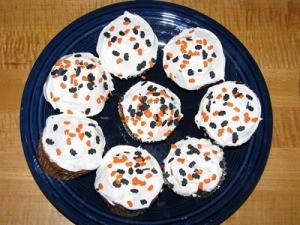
(230,113)
(129,176)
(194,58)
(74,143)
(192,165)
(127,46)
(150,111)
(77,84)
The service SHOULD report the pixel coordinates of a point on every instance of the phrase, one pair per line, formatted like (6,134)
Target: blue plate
(77,199)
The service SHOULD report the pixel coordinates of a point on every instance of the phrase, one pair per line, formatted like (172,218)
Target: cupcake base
(53,169)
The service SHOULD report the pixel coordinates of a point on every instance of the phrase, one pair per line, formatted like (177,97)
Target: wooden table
(269,29)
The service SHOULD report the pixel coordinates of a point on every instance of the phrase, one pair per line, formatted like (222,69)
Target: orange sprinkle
(205,64)
(177,42)
(219,96)
(215,152)
(169,55)
(206,154)
(136,181)
(150,188)
(151,64)
(132,39)
(51,95)
(56,99)
(150,134)
(165,66)
(67,122)
(147,158)
(98,100)
(167,133)
(87,97)
(119,60)
(229,104)
(192,80)
(220,132)
(246,117)
(199,146)
(80,126)
(236,118)
(137,27)
(173,146)
(205,116)
(199,42)
(75,95)
(148,175)
(190,177)
(200,186)
(224,89)
(199,172)
(126,119)
(148,113)
(63,86)
(215,113)
(236,109)
(204,41)
(113,173)
(210,47)
(181,160)
(111,29)
(140,131)
(119,40)
(109,165)
(109,43)
(88,143)
(100,186)
(75,82)
(129,203)
(81,136)
(143,123)
(255,119)
(84,78)
(185,62)
(143,77)
(229,130)
(140,51)
(72,135)
(129,164)
(213,177)
(126,22)
(68,141)
(69,111)
(210,60)
(206,181)
(58,151)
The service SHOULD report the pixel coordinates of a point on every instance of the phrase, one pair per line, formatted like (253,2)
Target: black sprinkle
(212,125)
(196,175)
(121,33)
(162,100)
(73,152)
(192,164)
(224,123)
(192,150)
(91,77)
(222,164)
(92,151)
(136,46)
(240,128)
(124,181)
(190,72)
(77,55)
(77,71)
(126,56)
(137,165)
(170,160)
(143,201)
(238,95)
(135,31)
(105,85)
(249,97)
(175,59)
(198,47)
(163,107)
(166,175)
(177,152)
(153,171)
(249,107)
(116,185)
(90,66)
(182,172)
(142,34)
(132,113)
(145,82)
(148,43)
(186,56)
(139,171)
(134,190)
(107,34)
(115,53)
(204,54)
(152,124)
(126,19)
(65,78)
(92,125)
(49,141)
(171,106)
(210,95)
(212,74)
(87,111)
(176,122)
(141,65)
(184,182)
(234,90)
(97,140)
(214,55)
(235,137)
(226,97)
(138,153)
(88,134)
(176,114)
(55,127)
(221,113)
(207,158)
(90,86)
(130,171)
(199,70)
(80,86)
(113,39)
(208,106)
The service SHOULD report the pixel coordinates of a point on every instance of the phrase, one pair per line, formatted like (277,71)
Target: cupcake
(127,46)
(230,113)
(70,146)
(77,84)
(194,58)
(150,112)
(194,167)
(129,180)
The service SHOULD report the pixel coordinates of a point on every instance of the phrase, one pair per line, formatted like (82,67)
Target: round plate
(77,199)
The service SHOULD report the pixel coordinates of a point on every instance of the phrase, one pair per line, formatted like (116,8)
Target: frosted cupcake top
(74,143)
(127,46)
(150,111)
(194,165)
(77,84)
(194,58)
(230,113)
(129,176)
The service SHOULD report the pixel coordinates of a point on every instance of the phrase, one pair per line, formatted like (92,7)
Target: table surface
(270,30)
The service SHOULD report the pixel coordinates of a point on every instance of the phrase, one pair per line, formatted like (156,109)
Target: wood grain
(270,30)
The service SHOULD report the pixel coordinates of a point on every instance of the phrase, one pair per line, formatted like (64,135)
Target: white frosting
(151,111)
(129,176)
(74,143)
(192,165)
(127,46)
(230,113)
(77,84)
(194,58)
